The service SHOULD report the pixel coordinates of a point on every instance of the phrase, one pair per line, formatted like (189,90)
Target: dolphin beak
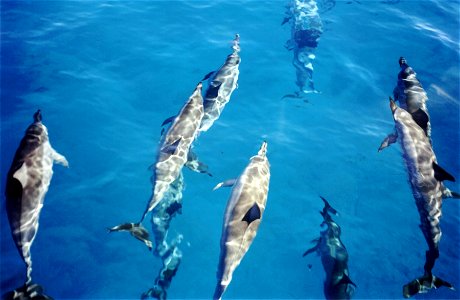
(393,105)
(38,116)
(263,149)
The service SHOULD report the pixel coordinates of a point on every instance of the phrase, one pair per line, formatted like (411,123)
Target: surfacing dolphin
(306,29)
(426,180)
(222,83)
(242,216)
(334,257)
(172,156)
(26,186)
(412,98)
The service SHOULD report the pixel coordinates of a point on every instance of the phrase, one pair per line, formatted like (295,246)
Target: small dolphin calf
(306,29)
(412,98)
(242,216)
(26,185)
(172,156)
(426,180)
(222,83)
(334,257)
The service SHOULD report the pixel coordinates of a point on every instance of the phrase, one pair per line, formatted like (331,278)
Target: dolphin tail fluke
(28,292)
(136,230)
(423,284)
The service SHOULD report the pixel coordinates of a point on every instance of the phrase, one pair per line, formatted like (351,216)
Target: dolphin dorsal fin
(421,118)
(252,214)
(440,174)
(226,183)
(171,148)
(346,280)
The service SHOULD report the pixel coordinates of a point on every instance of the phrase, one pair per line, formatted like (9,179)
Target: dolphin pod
(306,29)
(426,180)
(222,83)
(243,215)
(26,186)
(334,257)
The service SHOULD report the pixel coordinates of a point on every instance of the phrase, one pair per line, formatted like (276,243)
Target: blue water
(106,75)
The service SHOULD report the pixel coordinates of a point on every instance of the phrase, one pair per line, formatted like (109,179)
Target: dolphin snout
(393,105)
(263,148)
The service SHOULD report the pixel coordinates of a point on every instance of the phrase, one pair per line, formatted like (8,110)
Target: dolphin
(306,29)
(426,179)
(334,257)
(27,182)
(412,98)
(173,154)
(222,83)
(242,216)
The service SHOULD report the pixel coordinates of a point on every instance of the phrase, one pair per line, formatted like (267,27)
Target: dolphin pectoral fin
(285,20)
(21,175)
(446,193)
(59,158)
(252,214)
(168,120)
(311,250)
(390,139)
(171,148)
(440,174)
(195,165)
(226,183)
(424,284)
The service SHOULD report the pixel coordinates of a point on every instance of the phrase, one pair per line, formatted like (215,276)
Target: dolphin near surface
(412,98)
(173,154)
(334,257)
(306,29)
(243,215)
(27,183)
(222,83)
(426,180)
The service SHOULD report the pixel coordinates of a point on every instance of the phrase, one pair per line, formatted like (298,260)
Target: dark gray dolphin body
(412,98)
(306,29)
(222,83)
(334,257)
(242,216)
(426,180)
(26,186)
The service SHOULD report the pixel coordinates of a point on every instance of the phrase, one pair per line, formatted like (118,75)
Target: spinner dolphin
(412,98)
(306,29)
(334,257)
(173,154)
(222,83)
(26,186)
(426,180)
(242,216)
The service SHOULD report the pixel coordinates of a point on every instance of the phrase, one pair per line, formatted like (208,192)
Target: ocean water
(107,73)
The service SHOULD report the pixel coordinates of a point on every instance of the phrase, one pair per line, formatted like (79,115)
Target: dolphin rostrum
(334,257)
(412,98)
(222,83)
(173,154)
(26,185)
(426,180)
(242,216)
(306,29)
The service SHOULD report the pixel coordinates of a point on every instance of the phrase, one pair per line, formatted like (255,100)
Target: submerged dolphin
(222,83)
(412,98)
(173,154)
(26,185)
(242,216)
(306,29)
(426,180)
(334,257)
